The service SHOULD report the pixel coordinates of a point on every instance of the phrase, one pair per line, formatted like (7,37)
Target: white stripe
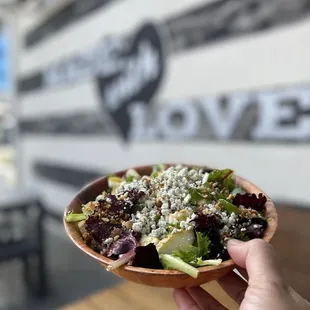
(265,165)
(73,98)
(255,62)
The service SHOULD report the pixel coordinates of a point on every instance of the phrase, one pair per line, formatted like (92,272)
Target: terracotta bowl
(156,277)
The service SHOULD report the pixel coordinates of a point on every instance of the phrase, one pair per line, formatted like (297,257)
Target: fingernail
(235,242)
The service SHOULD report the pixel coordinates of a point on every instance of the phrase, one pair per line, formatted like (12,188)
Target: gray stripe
(60,20)
(65,174)
(228,19)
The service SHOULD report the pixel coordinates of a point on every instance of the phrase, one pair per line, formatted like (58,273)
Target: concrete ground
(72,275)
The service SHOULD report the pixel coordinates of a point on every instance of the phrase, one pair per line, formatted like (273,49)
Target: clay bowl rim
(75,236)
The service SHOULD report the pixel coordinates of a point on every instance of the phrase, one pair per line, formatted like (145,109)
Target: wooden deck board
(133,296)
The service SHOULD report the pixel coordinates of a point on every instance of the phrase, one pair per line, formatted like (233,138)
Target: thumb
(258,257)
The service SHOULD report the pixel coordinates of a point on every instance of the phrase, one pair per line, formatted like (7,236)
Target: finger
(234,286)
(204,300)
(258,257)
(184,300)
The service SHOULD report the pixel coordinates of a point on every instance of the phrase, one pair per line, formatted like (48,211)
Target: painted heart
(138,81)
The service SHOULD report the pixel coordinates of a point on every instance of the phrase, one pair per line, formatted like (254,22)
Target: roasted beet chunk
(107,219)
(147,257)
(203,222)
(251,201)
(255,227)
(123,245)
(123,206)
(98,229)
(210,225)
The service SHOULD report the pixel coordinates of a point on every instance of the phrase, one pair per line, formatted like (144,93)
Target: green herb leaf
(170,262)
(219,196)
(224,177)
(218,175)
(75,217)
(228,207)
(196,195)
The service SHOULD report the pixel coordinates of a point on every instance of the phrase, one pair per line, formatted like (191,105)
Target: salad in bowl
(176,217)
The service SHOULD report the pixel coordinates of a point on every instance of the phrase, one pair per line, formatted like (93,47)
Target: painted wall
(121,83)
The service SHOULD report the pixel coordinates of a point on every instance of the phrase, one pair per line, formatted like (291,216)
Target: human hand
(266,287)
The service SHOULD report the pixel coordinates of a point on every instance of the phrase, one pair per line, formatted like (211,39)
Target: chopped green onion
(75,217)
(208,262)
(154,174)
(114,181)
(131,175)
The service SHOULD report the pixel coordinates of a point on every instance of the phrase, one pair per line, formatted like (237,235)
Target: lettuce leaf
(187,253)
(229,207)
(223,177)
(192,254)
(170,262)
(203,245)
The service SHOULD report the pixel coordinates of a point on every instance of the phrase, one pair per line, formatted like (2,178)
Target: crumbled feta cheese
(108,241)
(137,227)
(183,224)
(187,199)
(232,218)
(193,216)
(205,178)
(172,188)
(162,223)
(100,197)
(183,172)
